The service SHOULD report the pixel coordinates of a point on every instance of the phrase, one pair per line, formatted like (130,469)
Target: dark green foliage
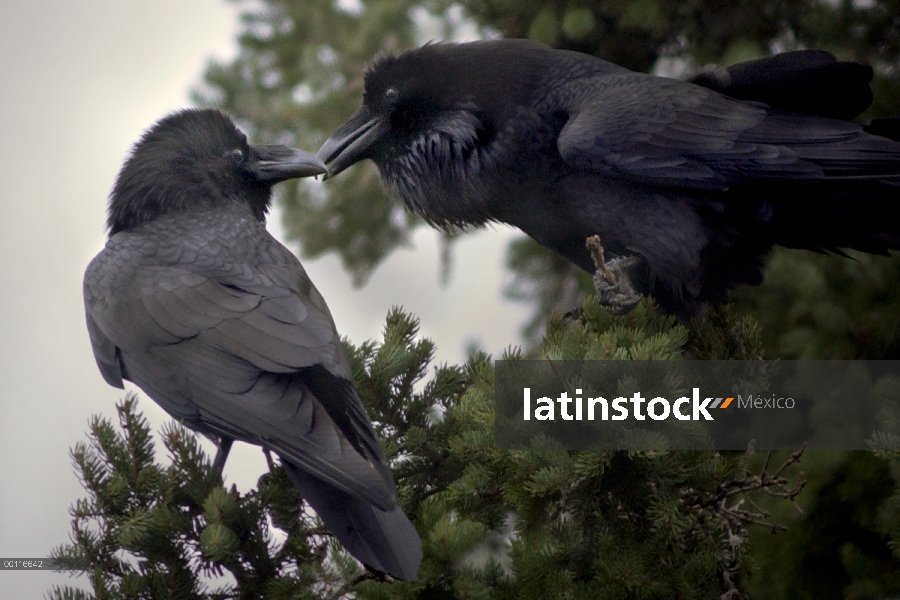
(723,332)
(635,33)
(817,306)
(838,547)
(844,543)
(886,443)
(153,531)
(813,307)
(494,524)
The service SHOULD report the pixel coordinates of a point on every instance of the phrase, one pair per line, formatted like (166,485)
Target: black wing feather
(675,134)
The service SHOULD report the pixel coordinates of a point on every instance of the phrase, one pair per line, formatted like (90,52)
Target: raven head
(199,156)
(407,98)
(432,120)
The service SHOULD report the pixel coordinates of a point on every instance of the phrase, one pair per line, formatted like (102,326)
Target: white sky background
(80,83)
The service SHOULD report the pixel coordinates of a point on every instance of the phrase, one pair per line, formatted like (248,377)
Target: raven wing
(234,344)
(811,82)
(673,133)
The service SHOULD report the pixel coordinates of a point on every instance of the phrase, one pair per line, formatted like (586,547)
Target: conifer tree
(498,524)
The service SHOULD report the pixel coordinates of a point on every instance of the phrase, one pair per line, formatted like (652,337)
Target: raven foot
(269,460)
(221,455)
(612,281)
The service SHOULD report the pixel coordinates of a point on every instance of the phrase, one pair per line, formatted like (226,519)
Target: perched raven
(194,301)
(694,185)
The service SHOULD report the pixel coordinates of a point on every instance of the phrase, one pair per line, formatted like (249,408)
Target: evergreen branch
(734,513)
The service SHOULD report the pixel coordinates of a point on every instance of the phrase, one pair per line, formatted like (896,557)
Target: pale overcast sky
(80,82)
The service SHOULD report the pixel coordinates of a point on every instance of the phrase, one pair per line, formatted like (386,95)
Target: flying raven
(693,182)
(194,302)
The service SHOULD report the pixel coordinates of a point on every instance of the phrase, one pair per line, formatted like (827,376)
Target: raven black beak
(279,163)
(352,141)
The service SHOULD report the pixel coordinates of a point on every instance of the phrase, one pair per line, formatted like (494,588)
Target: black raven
(693,184)
(194,302)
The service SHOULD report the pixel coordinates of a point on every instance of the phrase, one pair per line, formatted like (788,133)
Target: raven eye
(237,156)
(390,95)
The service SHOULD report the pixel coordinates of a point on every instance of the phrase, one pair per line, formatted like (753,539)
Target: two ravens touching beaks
(194,302)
